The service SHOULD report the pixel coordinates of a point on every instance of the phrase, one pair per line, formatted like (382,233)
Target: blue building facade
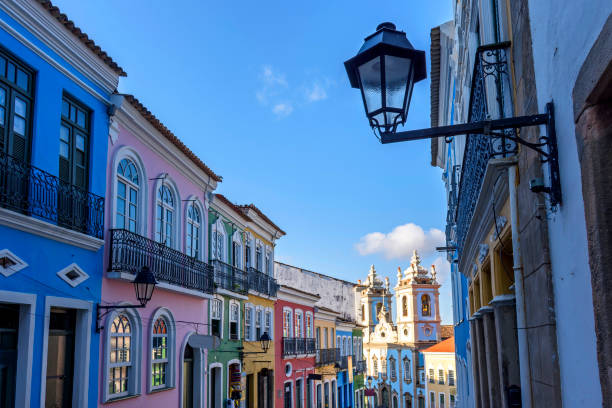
(344,341)
(55,88)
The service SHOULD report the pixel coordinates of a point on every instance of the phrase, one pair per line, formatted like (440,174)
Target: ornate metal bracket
(546,147)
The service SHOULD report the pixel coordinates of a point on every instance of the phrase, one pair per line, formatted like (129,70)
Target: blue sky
(258,90)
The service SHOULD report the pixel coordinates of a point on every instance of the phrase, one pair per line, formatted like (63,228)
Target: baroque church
(392,345)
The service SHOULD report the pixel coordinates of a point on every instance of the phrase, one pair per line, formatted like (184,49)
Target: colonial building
(55,90)
(392,349)
(525,258)
(440,387)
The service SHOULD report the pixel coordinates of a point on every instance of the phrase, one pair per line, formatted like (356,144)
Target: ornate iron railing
(129,252)
(31,191)
(229,277)
(360,366)
(293,346)
(327,356)
(262,283)
(490,82)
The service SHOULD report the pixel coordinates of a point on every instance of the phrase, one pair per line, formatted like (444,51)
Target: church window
(425,305)
(393,369)
(375,366)
(407,371)
(404,306)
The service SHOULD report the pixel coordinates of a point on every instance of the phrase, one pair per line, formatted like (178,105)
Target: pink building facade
(295,348)
(156,216)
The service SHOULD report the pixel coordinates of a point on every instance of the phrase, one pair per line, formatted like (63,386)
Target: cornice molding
(38,21)
(47,230)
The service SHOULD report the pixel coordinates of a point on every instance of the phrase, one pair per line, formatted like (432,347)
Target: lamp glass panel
(397,73)
(370,76)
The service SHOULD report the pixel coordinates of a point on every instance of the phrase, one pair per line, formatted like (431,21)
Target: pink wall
(190,312)
(301,367)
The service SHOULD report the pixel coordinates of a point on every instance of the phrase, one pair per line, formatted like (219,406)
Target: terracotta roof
(233,206)
(446,331)
(170,136)
(84,38)
(245,208)
(446,346)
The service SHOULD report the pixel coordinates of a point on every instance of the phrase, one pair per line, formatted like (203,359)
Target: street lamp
(385,70)
(265,342)
(144,285)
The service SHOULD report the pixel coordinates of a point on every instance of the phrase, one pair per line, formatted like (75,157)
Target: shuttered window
(74,143)
(16,100)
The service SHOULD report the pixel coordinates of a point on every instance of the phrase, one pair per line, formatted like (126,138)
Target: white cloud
(273,85)
(282,109)
(399,243)
(316,93)
(271,77)
(442,269)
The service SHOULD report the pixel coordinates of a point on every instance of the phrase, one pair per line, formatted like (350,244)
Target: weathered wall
(335,294)
(562,38)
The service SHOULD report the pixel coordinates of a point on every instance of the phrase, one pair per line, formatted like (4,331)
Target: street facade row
(530,275)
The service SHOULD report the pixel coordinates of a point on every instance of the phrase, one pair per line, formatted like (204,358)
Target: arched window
(393,369)
(404,306)
(128,186)
(218,240)
(407,371)
(425,305)
(160,354)
(164,219)
(194,222)
(374,366)
(121,359)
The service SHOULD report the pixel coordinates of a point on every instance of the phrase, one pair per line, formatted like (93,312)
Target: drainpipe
(525,371)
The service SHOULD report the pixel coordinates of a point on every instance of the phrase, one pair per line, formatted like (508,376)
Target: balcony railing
(327,356)
(360,366)
(129,252)
(229,277)
(31,191)
(262,283)
(293,346)
(489,96)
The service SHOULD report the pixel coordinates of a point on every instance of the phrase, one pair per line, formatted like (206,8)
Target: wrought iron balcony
(31,191)
(489,96)
(327,356)
(293,346)
(360,366)
(229,277)
(129,252)
(262,283)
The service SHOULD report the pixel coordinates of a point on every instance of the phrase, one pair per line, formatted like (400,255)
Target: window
(431,376)
(374,366)
(325,334)
(247,253)
(248,323)
(120,357)
(287,323)
(425,305)
(378,309)
(452,401)
(237,250)
(16,99)
(193,231)
(432,400)
(216,311)
(218,240)
(308,324)
(318,337)
(440,376)
(407,371)
(74,139)
(451,378)
(164,221)
(127,196)
(339,345)
(442,400)
(331,338)
(393,368)
(258,332)
(268,324)
(404,306)
(383,363)
(159,357)
(298,393)
(234,319)
(258,258)
(299,324)
(268,264)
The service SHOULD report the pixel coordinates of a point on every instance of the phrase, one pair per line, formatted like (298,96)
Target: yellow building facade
(440,384)
(328,355)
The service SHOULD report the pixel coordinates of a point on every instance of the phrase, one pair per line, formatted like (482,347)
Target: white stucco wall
(335,294)
(563,35)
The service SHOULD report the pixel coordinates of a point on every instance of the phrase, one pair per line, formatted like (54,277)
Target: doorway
(9,326)
(188,376)
(288,396)
(215,387)
(60,358)
(384,397)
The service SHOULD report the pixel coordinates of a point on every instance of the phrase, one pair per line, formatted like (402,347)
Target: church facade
(392,346)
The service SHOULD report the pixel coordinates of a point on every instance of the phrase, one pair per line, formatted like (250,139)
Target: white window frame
(175,208)
(126,152)
(171,350)
(129,185)
(259,322)
(237,239)
(268,262)
(392,369)
(288,311)
(218,228)
(189,223)
(299,328)
(259,250)
(269,328)
(407,369)
(249,324)
(212,302)
(236,306)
